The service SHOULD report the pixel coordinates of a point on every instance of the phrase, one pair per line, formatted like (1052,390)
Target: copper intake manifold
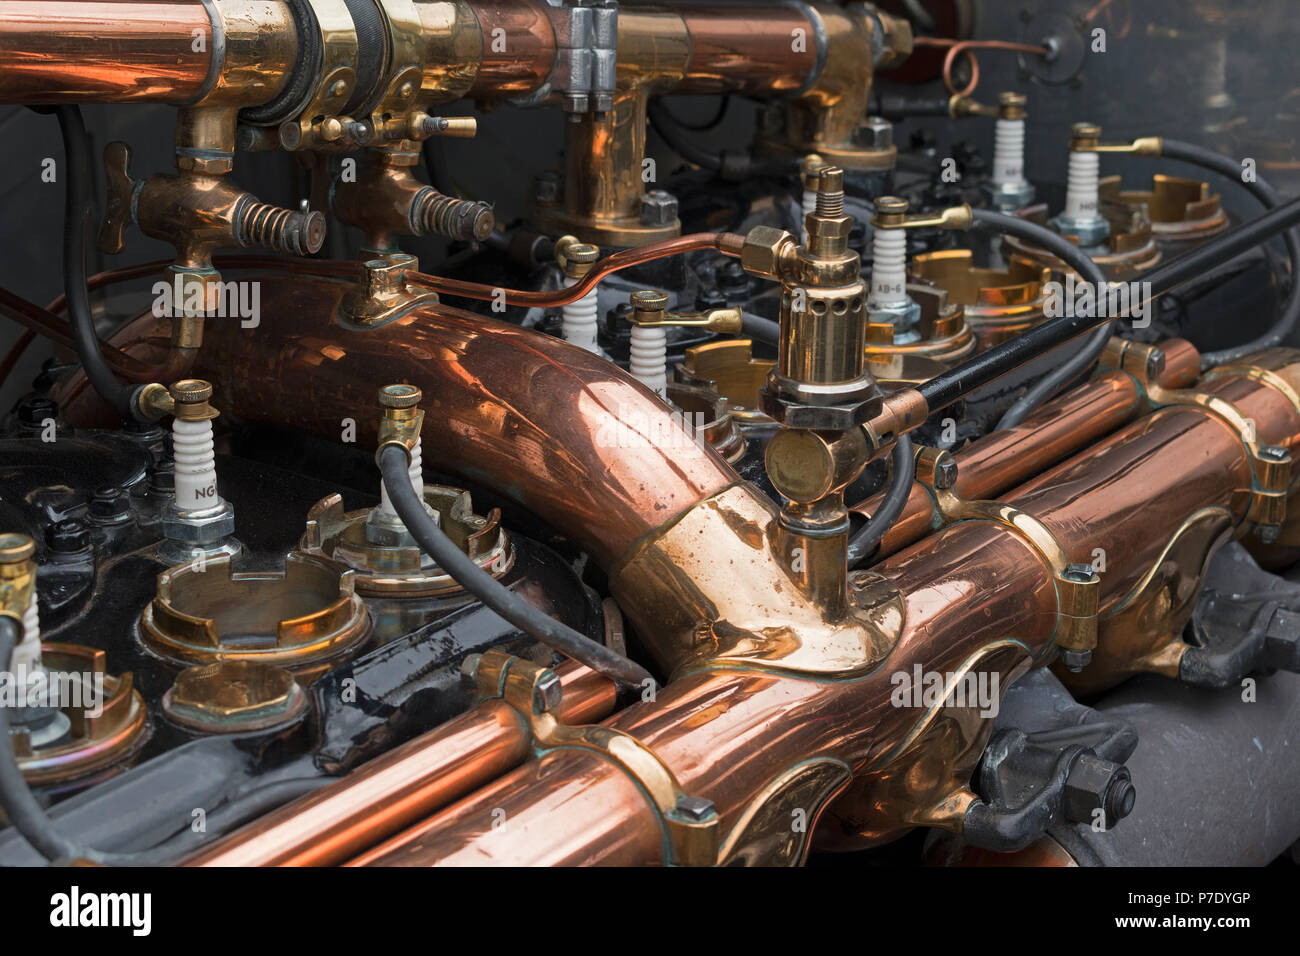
(774,706)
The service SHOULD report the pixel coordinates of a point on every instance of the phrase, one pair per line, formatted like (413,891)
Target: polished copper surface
(519,58)
(999,461)
(745,49)
(102,51)
(571,437)
(970,589)
(399,788)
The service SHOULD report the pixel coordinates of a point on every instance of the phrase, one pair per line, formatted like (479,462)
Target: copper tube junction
(592,452)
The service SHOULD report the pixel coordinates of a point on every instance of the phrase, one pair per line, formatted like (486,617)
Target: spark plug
(401,423)
(198,521)
(1082,216)
(1009,189)
(650,320)
(579,322)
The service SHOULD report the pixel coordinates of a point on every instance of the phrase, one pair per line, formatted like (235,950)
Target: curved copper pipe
(1003,459)
(330,825)
(93,51)
(726,734)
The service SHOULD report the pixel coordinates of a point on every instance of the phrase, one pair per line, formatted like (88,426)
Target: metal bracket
(690,824)
(1078,586)
(586,60)
(1270,464)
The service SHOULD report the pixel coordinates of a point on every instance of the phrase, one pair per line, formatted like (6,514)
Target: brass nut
(648,300)
(232,696)
(400,396)
(765,250)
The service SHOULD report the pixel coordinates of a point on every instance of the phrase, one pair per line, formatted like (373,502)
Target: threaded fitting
(454,218)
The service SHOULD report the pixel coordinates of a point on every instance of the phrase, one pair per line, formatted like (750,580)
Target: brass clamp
(17,576)
(650,311)
(1270,464)
(1078,586)
(690,823)
(402,421)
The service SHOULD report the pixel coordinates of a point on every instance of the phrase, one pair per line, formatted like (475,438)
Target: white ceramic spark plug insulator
(416,471)
(196,465)
(27,655)
(579,319)
(1009,152)
(1081,189)
(808,205)
(889,267)
(649,358)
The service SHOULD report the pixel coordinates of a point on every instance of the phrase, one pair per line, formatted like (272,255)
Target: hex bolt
(547,692)
(945,472)
(469,670)
(1095,784)
(109,505)
(658,208)
(69,536)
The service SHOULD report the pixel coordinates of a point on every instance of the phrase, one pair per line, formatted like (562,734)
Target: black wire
(1081,263)
(681,145)
(393,466)
(1268,198)
(902,471)
(979,370)
(78,209)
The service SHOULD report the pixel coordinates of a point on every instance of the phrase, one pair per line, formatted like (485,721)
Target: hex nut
(658,208)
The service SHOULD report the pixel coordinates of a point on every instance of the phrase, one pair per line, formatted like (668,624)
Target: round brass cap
(648,300)
(582,253)
(400,396)
(1085,130)
(890,205)
(191,391)
(15,548)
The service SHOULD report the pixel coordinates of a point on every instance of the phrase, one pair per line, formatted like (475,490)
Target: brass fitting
(891,213)
(403,418)
(1011,105)
(576,259)
(17,575)
(155,401)
(190,400)
(650,310)
(960,107)
(386,201)
(1085,143)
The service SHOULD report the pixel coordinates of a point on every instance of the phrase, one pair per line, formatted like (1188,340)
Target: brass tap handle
(118,214)
(650,311)
(891,214)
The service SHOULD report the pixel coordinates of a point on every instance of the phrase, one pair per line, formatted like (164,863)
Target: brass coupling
(1270,464)
(402,421)
(17,576)
(690,824)
(1078,586)
(650,311)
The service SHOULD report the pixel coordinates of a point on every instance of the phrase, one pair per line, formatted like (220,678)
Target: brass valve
(650,310)
(891,213)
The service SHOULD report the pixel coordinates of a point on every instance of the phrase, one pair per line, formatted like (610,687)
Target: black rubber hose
(393,467)
(1076,259)
(680,144)
(77,211)
(1228,168)
(979,370)
(902,472)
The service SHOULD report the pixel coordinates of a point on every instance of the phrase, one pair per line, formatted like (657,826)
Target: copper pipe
(1001,460)
(330,825)
(745,50)
(727,734)
(94,51)
(583,445)
(520,57)
(33,317)
(724,242)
